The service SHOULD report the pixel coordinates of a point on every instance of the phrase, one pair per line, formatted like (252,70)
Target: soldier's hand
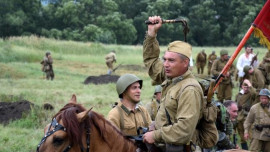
(153,28)
(246,136)
(148,138)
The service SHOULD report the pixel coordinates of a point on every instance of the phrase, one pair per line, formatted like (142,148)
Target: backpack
(206,134)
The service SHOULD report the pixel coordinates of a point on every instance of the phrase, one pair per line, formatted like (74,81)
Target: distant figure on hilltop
(110,59)
(47,66)
(201,61)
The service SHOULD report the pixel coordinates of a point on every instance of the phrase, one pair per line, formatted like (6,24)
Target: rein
(58,127)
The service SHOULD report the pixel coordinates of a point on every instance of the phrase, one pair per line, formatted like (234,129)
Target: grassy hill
(21,78)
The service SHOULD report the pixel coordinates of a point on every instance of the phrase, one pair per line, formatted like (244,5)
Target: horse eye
(58,141)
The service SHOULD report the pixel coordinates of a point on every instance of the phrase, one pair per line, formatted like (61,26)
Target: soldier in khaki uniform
(201,61)
(211,58)
(226,85)
(246,98)
(256,77)
(47,66)
(128,116)
(182,96)
(265,66)
(258,120)
(110,59)
(152,107)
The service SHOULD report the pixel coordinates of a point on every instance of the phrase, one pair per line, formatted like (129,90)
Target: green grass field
(21,78)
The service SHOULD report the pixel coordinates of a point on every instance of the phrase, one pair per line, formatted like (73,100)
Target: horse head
(76,129)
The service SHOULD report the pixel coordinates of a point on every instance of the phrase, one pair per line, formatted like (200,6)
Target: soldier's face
(158,95)
(174,66)
(233,111)
(264,100)
(245,88)
(133,93)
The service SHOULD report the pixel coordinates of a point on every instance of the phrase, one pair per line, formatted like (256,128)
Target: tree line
(211,22)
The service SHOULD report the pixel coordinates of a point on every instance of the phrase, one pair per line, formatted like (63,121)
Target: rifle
(254,59)
(116,67)
(139,141)
(234,139)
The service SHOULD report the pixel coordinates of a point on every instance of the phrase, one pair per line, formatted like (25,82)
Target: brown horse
(76,129)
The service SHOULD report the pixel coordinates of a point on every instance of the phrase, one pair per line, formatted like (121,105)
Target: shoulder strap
(121,117)
(143,116)
(168,117)
(266,111)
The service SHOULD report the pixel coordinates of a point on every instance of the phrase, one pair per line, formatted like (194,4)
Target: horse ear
(83,115)
(73,99)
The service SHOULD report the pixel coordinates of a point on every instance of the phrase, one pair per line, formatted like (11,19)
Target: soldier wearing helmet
(110,59)
(211,58)
(182,96)
(152,107)
(47,66)
(255,76)
(226,85)
(258,120)
(201,61)
(128,115)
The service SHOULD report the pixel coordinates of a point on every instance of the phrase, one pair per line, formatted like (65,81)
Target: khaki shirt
(244,102)
(111,57)
(257,79)
(211,59)
(218,66)
(132,120)
(255,116)
(182,101)
(152,108)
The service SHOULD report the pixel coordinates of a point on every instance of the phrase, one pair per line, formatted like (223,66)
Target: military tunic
(152,108)
(225,87)
(201,62)
(128,121)
(182,101)
(110,58)
(260,139)
(47,67)
(244,103)
(211,59)
(257,79)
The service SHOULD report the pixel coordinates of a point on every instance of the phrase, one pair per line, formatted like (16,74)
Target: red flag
(262,25)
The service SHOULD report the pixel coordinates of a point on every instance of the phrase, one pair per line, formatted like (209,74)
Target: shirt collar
(127,110)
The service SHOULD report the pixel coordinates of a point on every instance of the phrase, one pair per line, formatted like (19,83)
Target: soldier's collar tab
(128,111)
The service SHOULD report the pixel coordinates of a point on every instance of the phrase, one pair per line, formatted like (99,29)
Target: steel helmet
(158,89)
(126,80)
(47,53)
(265,92)
(223,52)
(246,69)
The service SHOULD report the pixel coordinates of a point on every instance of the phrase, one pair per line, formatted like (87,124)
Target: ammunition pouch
(174,148)
(259,127)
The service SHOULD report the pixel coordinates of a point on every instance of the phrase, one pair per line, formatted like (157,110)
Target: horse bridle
(57,127)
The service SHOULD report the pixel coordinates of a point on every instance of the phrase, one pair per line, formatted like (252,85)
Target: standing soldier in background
(182,96)
(201,61)
(47,66)
(256,77)
(246,98)
(265,66)
(258,120)
(226,85)
(110,59)
(152,107)
(211,58)
(128,116)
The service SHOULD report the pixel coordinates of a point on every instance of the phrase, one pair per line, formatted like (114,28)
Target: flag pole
(232,58)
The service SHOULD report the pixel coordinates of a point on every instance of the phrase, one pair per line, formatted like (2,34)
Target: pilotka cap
(180,47)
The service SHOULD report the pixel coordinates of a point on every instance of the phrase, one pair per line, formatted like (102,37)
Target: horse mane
(103,126)
(68,114)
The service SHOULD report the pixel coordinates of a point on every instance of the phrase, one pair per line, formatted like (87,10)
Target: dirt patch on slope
(13,110)
(102,79)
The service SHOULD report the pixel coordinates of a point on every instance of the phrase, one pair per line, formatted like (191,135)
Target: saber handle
(165,21)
